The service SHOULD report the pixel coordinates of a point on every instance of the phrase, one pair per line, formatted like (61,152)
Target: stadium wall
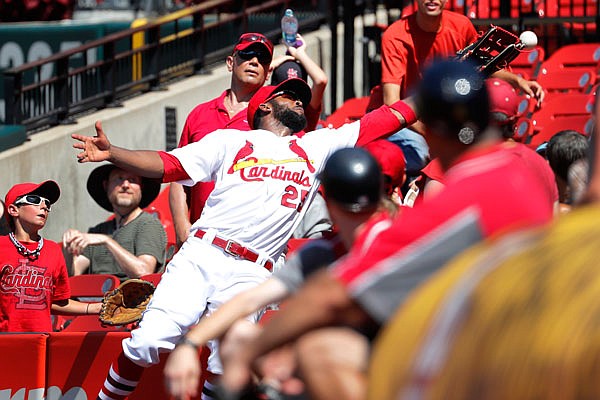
(138,124)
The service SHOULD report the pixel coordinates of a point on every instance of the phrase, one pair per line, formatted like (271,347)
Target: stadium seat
(576,55)
(546,127)
(573,79)
(91,287)
(88,288)
(352,110)
(527,63)
(562,104)
(153,278)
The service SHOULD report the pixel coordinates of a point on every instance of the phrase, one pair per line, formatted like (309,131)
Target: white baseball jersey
(260,180)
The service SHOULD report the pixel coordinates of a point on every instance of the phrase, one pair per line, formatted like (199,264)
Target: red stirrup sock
(122,379)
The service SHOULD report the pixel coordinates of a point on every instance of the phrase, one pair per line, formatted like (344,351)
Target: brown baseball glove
(126,303)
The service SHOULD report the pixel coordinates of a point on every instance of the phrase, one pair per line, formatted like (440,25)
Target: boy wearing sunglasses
(33,273)
(249,66)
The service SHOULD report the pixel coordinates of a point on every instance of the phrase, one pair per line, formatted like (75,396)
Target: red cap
(47,189)
(503,99)
(297,86)
(251,38)
(390,158)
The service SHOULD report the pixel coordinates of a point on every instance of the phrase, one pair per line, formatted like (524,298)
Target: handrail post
(348,73)
(61,89)
(199,39)
(13,85)
(333,21)
(154,57)
(108,72)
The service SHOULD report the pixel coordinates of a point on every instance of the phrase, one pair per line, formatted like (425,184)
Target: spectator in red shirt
(33,275)
(408,46)
(249,66)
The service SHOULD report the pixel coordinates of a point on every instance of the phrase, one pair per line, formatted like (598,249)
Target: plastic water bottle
(289,27)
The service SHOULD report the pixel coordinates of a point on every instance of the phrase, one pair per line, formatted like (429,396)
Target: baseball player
(353,183)
(263,180)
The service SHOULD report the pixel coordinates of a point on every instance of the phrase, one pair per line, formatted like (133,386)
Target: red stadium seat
(92,285)
(547,126)
(573,56)
(580,79)
(527,63)
(153,278)
(88,288)
(569,104)
(352,110)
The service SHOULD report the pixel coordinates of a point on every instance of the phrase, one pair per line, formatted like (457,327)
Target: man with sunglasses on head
(33,274)
(264,180)
(249,67)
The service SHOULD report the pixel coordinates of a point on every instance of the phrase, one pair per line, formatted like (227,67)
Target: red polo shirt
(202,120)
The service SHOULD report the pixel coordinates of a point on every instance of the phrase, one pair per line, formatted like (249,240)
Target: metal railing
(51,91)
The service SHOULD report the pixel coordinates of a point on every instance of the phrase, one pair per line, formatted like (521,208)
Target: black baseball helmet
(353,179)
(452,100)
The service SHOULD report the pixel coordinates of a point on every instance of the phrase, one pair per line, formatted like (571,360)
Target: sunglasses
(252,37)
(261,56)
(34,200)
(287,93)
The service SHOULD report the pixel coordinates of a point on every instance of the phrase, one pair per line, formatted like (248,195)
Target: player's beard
(296,122)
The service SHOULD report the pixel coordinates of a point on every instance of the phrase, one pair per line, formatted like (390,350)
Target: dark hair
(564,148)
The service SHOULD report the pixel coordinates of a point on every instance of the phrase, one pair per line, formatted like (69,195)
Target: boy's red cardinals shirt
(28,288)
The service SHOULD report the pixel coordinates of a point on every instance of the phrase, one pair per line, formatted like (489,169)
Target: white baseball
(529,39)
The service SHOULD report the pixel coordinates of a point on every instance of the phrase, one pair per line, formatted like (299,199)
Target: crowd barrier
(68,365)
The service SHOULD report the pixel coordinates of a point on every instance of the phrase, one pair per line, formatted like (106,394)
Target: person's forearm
(80,264)
(245,303)
(316,73)
(179,211)
(141,162)
(131,264)
(321,302)
(74,307)
(391,93)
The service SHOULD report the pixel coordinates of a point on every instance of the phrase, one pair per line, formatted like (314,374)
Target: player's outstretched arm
(98,148)
(182,368)
(386,120)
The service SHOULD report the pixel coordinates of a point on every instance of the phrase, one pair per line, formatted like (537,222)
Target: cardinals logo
(243,153)
(28,283)
(299,151)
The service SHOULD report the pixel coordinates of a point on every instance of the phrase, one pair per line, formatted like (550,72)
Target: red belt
(235,249)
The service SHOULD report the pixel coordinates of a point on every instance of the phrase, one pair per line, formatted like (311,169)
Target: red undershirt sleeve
(381,122)
(173,169)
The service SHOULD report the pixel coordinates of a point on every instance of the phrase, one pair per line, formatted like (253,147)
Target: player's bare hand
(94,148)
(182,372)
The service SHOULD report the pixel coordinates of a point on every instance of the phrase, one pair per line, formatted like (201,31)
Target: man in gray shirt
(130,245)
